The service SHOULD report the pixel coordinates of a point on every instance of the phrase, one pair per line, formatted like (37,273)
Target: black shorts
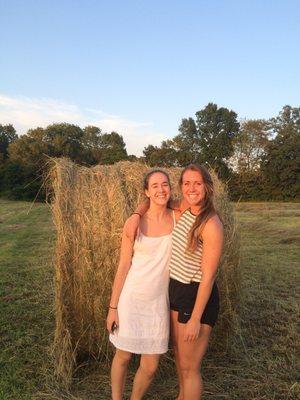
(182,299)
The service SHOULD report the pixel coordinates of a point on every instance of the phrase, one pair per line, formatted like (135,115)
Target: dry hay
(89,207)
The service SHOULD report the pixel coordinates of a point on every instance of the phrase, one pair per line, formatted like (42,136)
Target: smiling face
(193,187)
(158,189)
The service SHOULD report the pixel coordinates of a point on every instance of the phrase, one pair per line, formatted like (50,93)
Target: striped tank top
(185,266)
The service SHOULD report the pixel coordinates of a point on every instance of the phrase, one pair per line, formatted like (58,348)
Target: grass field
(261,365)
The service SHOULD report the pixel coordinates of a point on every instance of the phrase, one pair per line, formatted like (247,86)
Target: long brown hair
(207,206)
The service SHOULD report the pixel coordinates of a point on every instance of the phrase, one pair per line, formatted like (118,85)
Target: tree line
(259,159)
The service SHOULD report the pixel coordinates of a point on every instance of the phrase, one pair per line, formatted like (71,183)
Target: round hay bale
(90,206)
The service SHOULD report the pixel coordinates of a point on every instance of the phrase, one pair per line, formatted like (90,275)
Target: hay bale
(89,207)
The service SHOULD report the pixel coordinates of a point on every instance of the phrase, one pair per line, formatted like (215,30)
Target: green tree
(187,143)
(112,148)
(31,152)
(134,158)
(208,140)
(163,156)
(26,166)
(19,182)
(103,148)
(249,145)
(84,146)
(281,162)
(216,127)
(65,140)
(57,140)
(92,136)
(7,136)
(287,121)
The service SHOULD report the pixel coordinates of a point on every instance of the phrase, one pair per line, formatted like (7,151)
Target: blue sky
(139,67)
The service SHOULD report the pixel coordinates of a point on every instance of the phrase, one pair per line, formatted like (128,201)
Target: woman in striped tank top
(194,300)
(197,242)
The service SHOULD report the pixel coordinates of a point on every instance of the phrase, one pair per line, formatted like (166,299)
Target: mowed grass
(261,365)
(26,297)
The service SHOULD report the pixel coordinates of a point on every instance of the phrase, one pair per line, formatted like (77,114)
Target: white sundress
(143,307)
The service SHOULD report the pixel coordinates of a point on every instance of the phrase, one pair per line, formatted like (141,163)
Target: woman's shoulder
(213,225)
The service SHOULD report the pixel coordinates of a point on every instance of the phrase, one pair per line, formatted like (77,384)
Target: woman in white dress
(138,317)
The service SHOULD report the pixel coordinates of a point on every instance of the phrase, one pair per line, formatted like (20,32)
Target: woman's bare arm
(132,223)
(122,271)
(212,237)
(143,207)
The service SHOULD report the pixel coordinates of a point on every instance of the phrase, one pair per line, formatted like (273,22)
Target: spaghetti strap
(174,218)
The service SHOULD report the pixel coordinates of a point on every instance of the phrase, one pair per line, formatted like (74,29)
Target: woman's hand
(112,320)
(192,330)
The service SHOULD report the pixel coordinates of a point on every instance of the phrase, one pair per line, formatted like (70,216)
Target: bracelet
(136,214)
(113,308)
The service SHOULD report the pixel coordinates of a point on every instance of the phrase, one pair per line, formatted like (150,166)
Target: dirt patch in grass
(15,227)
(290,240)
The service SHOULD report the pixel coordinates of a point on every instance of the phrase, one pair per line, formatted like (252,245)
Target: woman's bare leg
(144,375)
(174,338)
(190,358)
(119,369)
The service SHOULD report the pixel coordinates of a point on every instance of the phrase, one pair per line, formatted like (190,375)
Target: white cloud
(25,113)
